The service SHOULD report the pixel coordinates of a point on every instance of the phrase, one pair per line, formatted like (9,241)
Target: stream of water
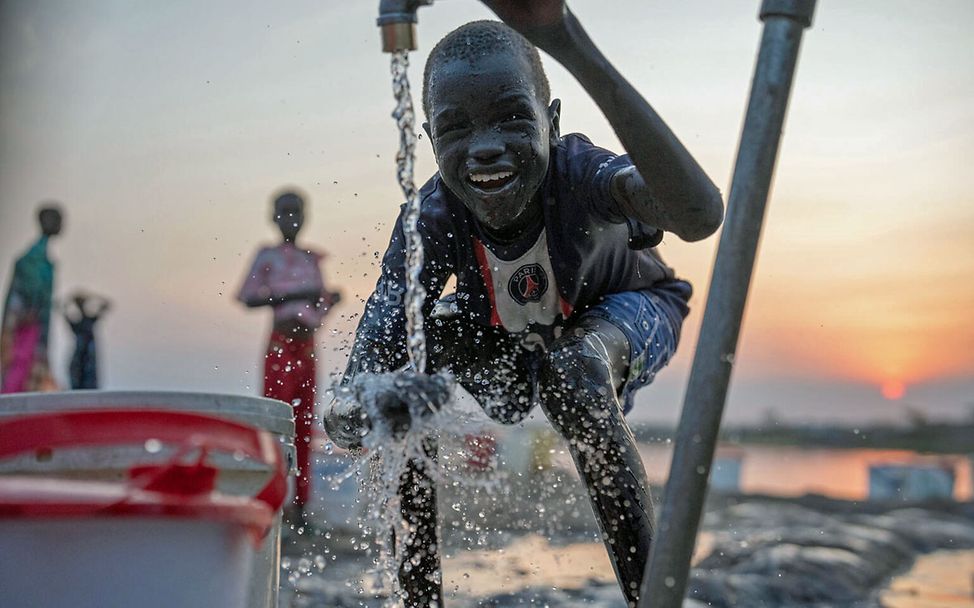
(405,162)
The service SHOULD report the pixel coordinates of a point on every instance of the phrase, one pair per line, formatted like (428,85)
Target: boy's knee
(486,362)
(576,385)
(577,361)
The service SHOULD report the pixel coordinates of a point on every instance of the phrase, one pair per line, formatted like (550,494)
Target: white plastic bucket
(108,563)
(237,477)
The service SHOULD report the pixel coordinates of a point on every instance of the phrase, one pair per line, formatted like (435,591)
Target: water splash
(380,475)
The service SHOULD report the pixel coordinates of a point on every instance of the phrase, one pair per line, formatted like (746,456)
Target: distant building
(725,475)
(912,481)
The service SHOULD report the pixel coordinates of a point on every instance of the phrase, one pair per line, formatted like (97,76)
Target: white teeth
(489,177)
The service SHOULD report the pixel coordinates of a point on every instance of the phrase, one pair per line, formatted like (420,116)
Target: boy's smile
(491,135)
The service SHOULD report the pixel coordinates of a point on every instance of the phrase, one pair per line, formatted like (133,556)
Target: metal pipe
(665,581)
(397,18)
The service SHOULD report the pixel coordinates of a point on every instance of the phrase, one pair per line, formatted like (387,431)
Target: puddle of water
(944,579)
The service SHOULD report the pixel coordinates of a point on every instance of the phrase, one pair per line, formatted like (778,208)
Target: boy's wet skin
(491,133)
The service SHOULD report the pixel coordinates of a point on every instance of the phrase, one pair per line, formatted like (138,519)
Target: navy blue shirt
(594,250)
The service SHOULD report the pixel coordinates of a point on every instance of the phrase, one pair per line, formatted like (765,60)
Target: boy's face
(289,217)
(491,134)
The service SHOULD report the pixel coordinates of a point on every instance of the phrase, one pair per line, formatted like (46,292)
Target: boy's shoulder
(575,139)
(439,208)
(583,172)
(576,149)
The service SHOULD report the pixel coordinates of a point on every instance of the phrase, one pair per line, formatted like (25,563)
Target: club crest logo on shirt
(528,284)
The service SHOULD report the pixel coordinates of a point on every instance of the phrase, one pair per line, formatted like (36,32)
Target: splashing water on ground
(433,441)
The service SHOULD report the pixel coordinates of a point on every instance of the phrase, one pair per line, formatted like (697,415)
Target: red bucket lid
(171,489)
(31,497)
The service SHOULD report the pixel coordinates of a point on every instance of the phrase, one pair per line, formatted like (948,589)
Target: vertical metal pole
(665,581)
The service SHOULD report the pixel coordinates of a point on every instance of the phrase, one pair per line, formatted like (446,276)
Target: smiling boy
(561,299)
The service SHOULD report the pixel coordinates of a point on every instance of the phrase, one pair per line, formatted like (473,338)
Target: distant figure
(82,312)
(288,279)
(24,362)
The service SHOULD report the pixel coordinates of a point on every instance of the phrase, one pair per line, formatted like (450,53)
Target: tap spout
(397,20)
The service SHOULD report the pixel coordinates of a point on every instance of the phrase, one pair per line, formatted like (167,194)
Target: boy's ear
(554,118)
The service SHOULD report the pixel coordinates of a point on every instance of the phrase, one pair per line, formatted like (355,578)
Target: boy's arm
(324,297)
(380,339)
(666,189)
(380,346)
(256,289)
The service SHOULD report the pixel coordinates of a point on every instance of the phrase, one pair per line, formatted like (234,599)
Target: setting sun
(893,389)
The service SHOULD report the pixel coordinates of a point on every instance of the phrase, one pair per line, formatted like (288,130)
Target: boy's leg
(578,394)
(275,364)
(419,573)
(304,412)
(618,344)
(286,378)
(491,364)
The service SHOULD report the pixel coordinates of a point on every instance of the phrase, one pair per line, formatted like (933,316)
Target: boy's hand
(537,20)
(393,400)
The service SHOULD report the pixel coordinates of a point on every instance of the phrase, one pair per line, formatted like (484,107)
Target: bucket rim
(268,414)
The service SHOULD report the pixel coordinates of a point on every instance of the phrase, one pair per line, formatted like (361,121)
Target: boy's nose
(486,147)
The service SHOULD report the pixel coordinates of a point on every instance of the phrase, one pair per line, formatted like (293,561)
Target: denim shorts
(651,320)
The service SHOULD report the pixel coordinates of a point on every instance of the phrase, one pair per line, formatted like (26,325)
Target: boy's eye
(448,128)
(515,116)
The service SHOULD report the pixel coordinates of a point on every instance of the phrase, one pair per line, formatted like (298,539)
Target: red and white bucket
(164,537)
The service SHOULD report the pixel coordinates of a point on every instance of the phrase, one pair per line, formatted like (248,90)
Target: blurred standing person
(26,321)
(82,312)
(287,277)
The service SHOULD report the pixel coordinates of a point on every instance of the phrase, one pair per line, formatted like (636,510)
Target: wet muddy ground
(535,544)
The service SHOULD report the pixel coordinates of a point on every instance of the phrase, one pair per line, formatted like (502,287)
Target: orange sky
(165,149)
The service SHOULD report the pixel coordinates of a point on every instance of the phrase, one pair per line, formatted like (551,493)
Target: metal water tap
(397,18)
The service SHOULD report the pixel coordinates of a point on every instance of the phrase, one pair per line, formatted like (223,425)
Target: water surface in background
(943,579)
(794,471)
